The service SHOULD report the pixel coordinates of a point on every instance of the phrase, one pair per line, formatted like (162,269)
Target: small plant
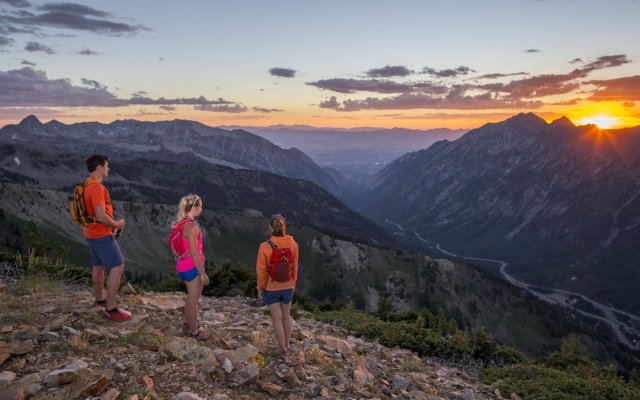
(261,335)
(431,391)
(412,364)
(36,284)
(332,368)
(318,357)
(133,300)
(136,394)
(358,359)
(79,342)
(258,360)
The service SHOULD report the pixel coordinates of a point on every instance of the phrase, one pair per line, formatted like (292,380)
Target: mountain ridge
(525,191)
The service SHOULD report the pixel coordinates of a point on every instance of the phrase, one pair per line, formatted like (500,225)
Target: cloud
(571,102)
(407,101)
(283,72)
(518,93)
(537,86)
(266,110)
(71,16)
(552,84)
(332,103)
(342,85)
(498,75)
(629,104)
(168,108)
(93,84)
(25,62)
(199,101)
(28,87)
(532,51)
(389,71)
(620,89)
(32,47)
(5,41)
(235,109)
(87,52)
(606,62)
(576,61)
(17,3)
(447,73)
(161,59)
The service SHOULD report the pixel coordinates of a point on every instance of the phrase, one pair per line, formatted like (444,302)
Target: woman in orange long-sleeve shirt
(278,296)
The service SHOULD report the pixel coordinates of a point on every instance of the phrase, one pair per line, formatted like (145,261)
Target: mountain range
(126,139)
(560,203)
(356,153)
(346,257)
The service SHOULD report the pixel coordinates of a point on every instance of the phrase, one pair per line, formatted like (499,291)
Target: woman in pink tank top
(190,265)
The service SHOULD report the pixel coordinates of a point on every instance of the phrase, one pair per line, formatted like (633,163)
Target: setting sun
(602,121)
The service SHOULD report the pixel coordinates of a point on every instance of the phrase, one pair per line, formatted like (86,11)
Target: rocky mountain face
(560,203)
(129,139)
(55,345)
(151,180)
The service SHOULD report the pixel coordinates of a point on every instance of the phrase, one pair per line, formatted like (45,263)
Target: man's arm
(103,218)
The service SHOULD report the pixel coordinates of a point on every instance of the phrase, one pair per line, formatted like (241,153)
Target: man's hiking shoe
(200,334)
(100,303)
(118,315)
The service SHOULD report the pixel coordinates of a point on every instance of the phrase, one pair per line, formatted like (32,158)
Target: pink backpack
(175,240)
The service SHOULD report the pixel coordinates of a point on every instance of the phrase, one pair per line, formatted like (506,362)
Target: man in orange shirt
(104,249)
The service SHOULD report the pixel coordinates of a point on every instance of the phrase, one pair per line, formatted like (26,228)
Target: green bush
(568,374)
(413,335)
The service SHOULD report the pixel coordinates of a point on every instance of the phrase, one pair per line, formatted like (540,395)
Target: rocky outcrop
(58,346)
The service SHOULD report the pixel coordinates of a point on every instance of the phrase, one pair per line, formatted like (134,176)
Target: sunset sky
(415,64)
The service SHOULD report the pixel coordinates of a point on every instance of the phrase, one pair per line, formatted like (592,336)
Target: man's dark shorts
(106,252)
(277,296)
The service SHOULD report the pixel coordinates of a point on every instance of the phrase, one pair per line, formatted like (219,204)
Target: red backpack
(281,263)
(175,239)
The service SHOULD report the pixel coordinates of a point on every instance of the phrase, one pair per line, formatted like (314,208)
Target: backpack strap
(273,246)
(180,227)
(84,185)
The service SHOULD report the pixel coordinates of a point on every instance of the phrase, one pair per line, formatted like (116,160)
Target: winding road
(556,296)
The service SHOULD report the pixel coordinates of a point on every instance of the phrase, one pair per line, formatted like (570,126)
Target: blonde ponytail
(186,204)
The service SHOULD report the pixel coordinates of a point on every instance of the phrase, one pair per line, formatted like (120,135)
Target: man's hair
(95,160)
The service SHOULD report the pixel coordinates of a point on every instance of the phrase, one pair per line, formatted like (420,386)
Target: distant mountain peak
(562,122)
(527,118)
(30,120)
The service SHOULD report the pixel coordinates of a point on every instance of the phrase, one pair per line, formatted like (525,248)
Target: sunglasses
(195,200)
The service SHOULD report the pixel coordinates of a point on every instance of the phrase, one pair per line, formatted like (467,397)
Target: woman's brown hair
(278,225)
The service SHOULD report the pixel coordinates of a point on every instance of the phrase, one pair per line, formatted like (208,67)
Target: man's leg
(97,276)
(113,284)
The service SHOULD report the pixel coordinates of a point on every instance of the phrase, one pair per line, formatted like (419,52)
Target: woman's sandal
(200,334)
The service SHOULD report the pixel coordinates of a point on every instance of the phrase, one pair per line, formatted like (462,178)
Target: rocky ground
(56,345)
